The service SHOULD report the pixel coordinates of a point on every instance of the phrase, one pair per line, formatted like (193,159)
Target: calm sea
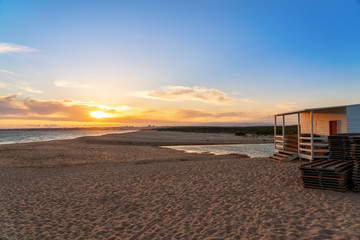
(19,136)
(252,150)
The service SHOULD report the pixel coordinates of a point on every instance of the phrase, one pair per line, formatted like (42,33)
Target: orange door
(333,127)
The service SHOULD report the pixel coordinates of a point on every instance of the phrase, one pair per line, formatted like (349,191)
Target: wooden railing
(279,142)
(312,149)
(288,143)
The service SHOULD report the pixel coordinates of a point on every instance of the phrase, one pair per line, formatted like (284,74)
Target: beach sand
(114,188)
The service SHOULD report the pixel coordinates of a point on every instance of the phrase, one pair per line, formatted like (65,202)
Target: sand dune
(192,197)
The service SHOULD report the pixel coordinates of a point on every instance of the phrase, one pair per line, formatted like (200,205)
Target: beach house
(314,125)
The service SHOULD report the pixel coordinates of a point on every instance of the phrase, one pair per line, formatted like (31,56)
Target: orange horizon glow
(99,114)
(31,112)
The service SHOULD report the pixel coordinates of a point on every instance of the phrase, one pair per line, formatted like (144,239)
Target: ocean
(252,150)
(37,135)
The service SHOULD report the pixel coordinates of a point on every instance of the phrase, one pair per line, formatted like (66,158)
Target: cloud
(176,93)
(286,107)
(119,108)
(43,107)
(11,107)
(247,100)
(24,86)
(14,48)
(70,84)
(6,71)
(199,114)
(29,89)
(72,111)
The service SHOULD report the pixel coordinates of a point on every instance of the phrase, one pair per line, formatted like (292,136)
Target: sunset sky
(68,63)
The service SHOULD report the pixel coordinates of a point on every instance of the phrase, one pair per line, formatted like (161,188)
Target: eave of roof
(314,109)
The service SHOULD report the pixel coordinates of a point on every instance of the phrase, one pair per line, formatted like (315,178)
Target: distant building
(314,127)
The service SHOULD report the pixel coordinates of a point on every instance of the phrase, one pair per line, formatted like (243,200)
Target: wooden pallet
(327,174)
(325,188)
(340,146)
(355,152)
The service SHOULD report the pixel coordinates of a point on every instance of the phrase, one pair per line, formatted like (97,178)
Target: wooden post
(312,134)
(283,132)
(299,134)
(275,132)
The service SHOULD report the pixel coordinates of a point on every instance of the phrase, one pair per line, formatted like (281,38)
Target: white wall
(353,119)
(322,119)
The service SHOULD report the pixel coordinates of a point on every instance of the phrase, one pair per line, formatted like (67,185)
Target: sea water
(38,135)
(252,150)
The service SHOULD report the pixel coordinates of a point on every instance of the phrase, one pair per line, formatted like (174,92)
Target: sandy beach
(123,186)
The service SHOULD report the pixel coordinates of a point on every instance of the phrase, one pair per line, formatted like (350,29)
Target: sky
(82,63)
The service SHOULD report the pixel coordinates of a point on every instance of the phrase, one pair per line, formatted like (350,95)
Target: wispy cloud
(6,71)
(247,100)
(119,109)
(25,86)
(286,107)
(176,93)
(14,48)
(199,114)
(70,84)
(29,89)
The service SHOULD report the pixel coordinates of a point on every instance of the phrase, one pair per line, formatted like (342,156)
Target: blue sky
(156,57)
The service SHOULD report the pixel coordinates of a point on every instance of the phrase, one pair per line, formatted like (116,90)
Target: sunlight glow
(99,114)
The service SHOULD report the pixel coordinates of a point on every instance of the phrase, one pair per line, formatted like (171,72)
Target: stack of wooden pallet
(340,146)
(356,157)
(327,174)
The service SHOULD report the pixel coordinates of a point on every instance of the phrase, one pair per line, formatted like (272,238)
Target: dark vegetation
(239,131)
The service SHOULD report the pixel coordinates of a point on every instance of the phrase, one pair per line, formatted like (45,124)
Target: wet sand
(124,189)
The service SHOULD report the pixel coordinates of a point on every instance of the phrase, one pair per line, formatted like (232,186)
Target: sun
(99,114)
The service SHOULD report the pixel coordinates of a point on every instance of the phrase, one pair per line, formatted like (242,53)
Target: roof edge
(314,109)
